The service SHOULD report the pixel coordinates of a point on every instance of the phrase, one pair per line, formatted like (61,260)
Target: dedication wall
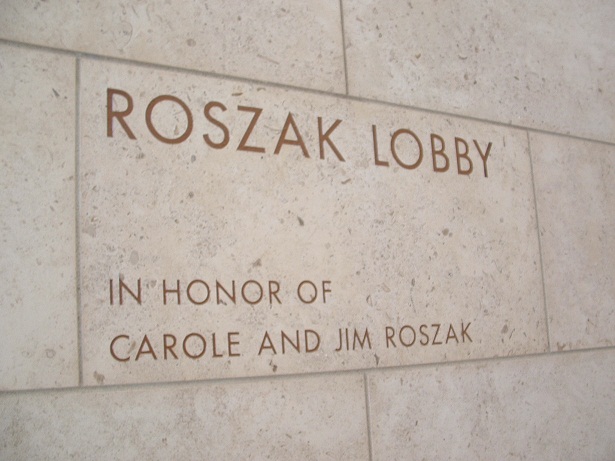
(324,230)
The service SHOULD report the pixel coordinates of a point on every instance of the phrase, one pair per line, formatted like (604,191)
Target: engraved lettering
(285,338)
(375,138)
(424,336)
(322,138)
(145,348)
(343,332)
(266,343)
(213,346)
(189,292)
(112,350)
(394,149)
(405,341)
(314,291)
(169,347)
(119,115)
(232,296)
(259,291)
(390,333)
(124,288)
(462,154)
(451,334)
(290,122)
(243,146)
(166,290)
(194,346)
(218,123)
(311,334)
(437,327)
(361,341)
(438,152)
(155,132)
(231,342)
(464,332)
(274,288)
(200,339)
(483,156)
(325,289)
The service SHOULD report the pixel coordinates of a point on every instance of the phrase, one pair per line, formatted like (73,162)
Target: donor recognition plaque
(230,229)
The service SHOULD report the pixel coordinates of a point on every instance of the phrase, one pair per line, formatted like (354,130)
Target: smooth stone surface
(549,408)
(546,65)
(575,190)
(284,41)
(396,246)
(38,330)
(311,418)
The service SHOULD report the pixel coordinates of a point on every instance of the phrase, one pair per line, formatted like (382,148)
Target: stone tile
(575,191)
(395,246)
(38,331)
(550,408)
(284,41)
(545,65)
(311,418)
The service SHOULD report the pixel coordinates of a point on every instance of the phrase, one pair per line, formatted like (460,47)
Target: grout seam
(344,47)
(368,416)
(284,86)
(540,254)
(309,375)
(77,213)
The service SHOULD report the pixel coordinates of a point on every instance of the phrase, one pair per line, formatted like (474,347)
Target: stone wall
(307,230)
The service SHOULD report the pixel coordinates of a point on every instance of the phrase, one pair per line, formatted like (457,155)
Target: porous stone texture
(309,418)
(545,65)
(436,266)
(549,408)
(406,182)
(284,41)
(38,327)
(575,190)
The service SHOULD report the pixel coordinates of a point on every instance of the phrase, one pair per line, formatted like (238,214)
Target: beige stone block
(413,265)
(575,191)
(545,65)
(38,331)
(308,418)
(284,41)
(549,408)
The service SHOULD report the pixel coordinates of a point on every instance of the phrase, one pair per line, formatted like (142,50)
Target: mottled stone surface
(575,189)
(547,407)
(284,41)
(310,418)
(38,330)
(398,247)
(546,65)
(430,269)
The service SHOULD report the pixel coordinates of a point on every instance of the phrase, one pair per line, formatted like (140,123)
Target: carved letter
(242,144)
(460,155)
(150,125)
(325,137)
(438,152)
(394,151)
(218,123)
(290,122)
(483,156)
(111,114)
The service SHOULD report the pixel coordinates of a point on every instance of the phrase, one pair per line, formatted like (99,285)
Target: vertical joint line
(542,267)
(344,46)
(368,417)
(77,213)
